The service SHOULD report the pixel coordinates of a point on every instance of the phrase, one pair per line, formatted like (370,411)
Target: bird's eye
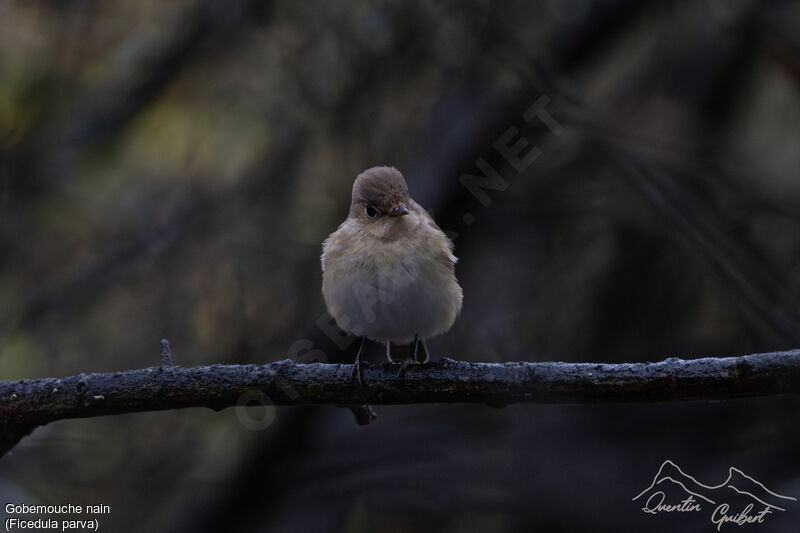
(370,211)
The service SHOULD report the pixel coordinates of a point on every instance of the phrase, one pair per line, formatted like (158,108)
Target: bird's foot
(355,375)
(416,351)
(403,366)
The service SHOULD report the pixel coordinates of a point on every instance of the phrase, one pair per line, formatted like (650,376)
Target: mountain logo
(739,500)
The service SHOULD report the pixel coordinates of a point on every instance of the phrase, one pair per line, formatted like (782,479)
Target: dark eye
(370,211)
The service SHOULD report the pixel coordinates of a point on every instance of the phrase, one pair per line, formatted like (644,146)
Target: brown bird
(388,271)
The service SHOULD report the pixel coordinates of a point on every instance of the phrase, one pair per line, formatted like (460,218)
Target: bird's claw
(355,375)
(403,366)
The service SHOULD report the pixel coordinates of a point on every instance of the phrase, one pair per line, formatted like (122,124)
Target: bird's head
(380,203)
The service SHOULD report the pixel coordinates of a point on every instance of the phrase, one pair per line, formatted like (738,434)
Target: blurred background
(170,169)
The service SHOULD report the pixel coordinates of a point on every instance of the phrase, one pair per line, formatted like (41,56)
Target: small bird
(388,271)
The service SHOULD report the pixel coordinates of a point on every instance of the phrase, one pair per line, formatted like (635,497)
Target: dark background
(169,169)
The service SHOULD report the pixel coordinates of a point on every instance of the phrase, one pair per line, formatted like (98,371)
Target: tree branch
(26,404)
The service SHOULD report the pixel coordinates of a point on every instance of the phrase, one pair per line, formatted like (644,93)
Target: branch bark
(27,404)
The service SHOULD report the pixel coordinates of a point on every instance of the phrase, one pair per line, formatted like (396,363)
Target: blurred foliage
(169,169)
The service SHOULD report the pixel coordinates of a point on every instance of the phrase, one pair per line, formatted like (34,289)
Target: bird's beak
(399,210)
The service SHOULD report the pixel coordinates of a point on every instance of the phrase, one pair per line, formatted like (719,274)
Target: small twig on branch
(166,353)
(26,404)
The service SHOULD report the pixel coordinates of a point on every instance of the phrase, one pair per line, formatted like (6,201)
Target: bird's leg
(389,351)
(412,356)
(412,348)
(356,373)
(425,353)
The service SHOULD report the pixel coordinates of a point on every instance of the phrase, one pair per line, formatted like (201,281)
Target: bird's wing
(432,223)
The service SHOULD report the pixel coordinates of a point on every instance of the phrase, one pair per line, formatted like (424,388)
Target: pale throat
(391,228)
